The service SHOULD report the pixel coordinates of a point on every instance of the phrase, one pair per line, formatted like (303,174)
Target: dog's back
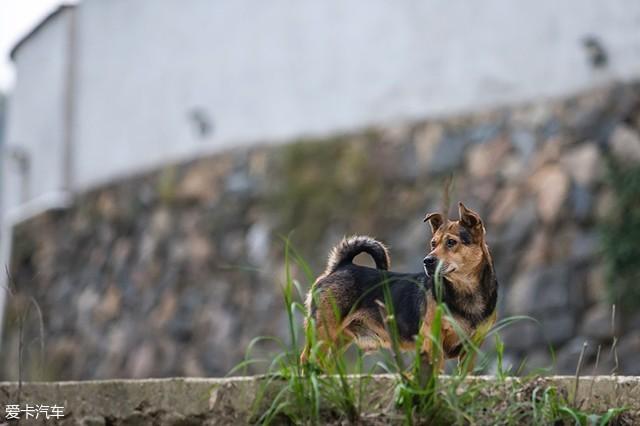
(346,297)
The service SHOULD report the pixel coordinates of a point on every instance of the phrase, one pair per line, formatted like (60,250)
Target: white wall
(35,131)
(313,67)
(296,67)
(35,122)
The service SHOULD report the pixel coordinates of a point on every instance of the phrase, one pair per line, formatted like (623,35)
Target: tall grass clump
(620,232)
(334,385)
(323,389)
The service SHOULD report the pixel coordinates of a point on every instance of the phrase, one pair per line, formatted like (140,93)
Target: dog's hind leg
(304,356)
(328,337)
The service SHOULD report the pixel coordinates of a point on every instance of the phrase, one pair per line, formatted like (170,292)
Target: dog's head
(459,245)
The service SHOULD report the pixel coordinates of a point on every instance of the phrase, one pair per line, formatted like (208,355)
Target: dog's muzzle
(430,264)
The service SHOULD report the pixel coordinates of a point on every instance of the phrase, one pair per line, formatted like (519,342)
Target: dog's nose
(430,261)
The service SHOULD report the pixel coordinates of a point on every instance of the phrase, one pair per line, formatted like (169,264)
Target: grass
(21,318)
(620,232)
(331,387)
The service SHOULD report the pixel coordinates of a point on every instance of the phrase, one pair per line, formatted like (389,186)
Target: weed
(620,235)
(14,293)
(332,388)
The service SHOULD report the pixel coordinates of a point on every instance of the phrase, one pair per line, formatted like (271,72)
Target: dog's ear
(435,220)
(470,219)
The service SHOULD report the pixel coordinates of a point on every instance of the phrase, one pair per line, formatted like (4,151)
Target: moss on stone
(620,236)
(321,182)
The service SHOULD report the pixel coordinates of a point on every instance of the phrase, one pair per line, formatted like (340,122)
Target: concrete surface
(229,400)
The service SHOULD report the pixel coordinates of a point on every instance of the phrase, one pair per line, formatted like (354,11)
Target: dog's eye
(433,244)
(451,243)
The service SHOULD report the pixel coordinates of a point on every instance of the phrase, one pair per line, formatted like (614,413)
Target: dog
(345,301)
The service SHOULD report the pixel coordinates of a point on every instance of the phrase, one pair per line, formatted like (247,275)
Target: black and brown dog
(345,300)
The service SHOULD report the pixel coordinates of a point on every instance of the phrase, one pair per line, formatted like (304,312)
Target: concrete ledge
(229,401)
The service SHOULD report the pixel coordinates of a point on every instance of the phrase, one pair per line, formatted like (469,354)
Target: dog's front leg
(426,368)
(466,361)
(428,365)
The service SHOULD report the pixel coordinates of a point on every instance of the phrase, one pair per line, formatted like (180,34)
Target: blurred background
(154,153)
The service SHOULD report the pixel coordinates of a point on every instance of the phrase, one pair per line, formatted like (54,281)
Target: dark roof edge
(37,28)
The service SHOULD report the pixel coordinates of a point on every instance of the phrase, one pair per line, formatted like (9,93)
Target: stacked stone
(173,273)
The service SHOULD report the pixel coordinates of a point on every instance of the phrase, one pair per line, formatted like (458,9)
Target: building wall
(149,72)
(35,122)
(266,73)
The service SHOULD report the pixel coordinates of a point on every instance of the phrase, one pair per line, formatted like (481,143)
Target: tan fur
(462,266)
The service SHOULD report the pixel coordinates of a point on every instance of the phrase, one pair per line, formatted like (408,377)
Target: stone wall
(174,272)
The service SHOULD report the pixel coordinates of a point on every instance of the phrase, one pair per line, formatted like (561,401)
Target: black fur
(361,287)
(465,236)
(457,301)
(348,248)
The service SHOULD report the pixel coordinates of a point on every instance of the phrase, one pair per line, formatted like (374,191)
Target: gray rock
(628,353)
(91,421)
(583,163)
(198,184)
(136,418)
(413,240)
(538,360)
(505,203)
(552,328)
(524,141)
(549,329)
(485,132)
(578,281)
(173,418)
(551,185)
(584,247)
(558,328)
(449,154)
(513,168)
(238,182)
(522,335)
(410,169)
(625,144)
(141,361)
(551,128)
(596,323)
(484,159)
(258,239)
(568,356)
(633,322)
(519,226)
(590,122)
(581,203)
(427,138)
(540,290)
(596,290)
(506,267)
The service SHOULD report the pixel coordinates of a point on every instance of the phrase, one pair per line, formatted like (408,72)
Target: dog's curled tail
(343,253)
